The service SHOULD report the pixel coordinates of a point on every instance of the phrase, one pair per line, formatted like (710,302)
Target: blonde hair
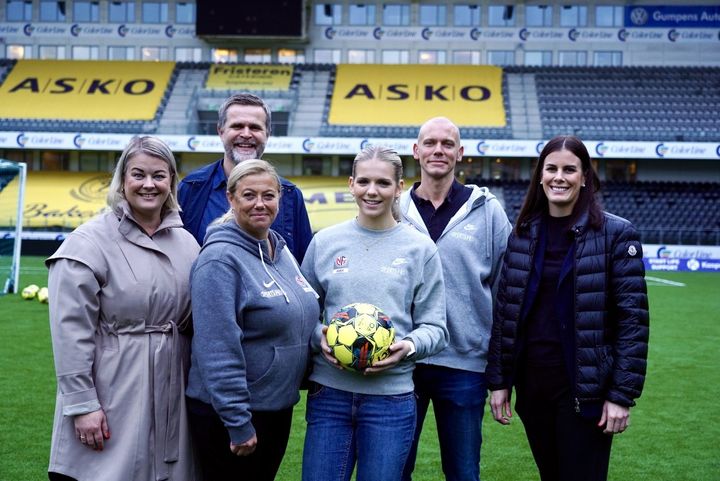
(148,145)
(244,169)
(386,154)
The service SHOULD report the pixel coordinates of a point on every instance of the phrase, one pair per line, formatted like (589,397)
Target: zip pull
(577,405)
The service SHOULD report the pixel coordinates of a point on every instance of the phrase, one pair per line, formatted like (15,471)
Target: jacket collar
(533,223)
(131,230)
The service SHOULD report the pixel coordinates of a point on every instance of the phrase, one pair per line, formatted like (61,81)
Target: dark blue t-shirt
(437,219)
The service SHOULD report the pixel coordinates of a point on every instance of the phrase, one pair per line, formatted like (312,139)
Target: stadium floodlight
(13,176)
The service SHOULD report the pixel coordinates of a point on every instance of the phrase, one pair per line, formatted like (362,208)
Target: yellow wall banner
(84,90)
(327,200)
(67,199)
(470,95)
(249,77)
(63,199)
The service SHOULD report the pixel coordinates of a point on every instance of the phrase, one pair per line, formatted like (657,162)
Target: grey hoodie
(253,317)
(396,269)
(471,247)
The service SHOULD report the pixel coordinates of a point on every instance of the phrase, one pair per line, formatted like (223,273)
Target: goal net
(12,193)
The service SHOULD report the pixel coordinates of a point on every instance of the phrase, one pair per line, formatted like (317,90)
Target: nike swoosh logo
(268,284)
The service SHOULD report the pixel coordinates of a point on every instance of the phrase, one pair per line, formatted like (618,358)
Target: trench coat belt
(167,395)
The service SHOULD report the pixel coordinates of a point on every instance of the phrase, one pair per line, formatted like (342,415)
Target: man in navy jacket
(244,125)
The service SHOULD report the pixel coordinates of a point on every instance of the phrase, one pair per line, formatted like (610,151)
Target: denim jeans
(458,399)
(345,428)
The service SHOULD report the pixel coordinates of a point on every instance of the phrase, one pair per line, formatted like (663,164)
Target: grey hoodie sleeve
(217,298)
(308,270)
(429,334)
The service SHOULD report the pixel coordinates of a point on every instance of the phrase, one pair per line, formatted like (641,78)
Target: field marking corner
(664,282)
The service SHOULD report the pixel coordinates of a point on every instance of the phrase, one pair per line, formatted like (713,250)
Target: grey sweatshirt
(471,247)
(253,317)
(397,270)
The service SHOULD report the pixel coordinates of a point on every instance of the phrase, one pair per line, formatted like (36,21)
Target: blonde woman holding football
(365,419)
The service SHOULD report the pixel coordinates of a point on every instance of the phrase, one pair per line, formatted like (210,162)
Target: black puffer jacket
(610,311)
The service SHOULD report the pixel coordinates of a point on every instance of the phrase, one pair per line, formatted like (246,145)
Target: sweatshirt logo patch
(632,251)
(399,261)
(393,271)
(271,293)
(470,227)
(341,264)
(396,267)
(303,284)
(462,236)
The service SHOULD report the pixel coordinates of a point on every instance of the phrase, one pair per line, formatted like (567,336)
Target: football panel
(382,338)
(363,351)
(332,334)
(363,308)
(343,354)
(347,335)
(365,325)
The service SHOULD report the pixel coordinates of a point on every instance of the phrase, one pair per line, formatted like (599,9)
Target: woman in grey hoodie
(368,418)
(253,315)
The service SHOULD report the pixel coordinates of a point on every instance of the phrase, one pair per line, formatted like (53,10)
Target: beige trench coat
(118,301)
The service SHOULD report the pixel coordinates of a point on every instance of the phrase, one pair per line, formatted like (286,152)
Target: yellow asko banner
(67,199)
(84,90)
(249,77)
(470,95)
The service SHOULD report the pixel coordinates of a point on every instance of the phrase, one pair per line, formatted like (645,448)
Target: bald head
(442,123)
(438,150)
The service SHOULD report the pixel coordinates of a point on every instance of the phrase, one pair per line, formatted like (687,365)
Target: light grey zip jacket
(471,249)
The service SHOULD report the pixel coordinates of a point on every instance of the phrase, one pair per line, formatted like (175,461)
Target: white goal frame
(11,285)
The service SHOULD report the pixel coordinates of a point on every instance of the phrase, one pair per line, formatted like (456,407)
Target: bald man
(470,229)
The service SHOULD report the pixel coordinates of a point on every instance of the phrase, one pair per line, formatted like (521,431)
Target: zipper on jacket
(577,406)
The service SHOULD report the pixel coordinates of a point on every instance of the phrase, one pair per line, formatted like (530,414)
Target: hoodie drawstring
(262,260)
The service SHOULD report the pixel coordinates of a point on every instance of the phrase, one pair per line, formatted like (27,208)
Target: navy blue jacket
(602,308)
(292,222)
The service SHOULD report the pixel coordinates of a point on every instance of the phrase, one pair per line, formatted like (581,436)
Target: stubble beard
(440,176)
(237,157)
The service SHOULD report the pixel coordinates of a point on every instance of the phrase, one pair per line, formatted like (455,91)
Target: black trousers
(212,443)
(565,445)
(59,477)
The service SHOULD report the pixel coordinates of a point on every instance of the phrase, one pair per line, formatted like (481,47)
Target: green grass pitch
(674,433)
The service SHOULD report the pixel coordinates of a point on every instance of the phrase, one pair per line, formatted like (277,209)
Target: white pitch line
(665,281)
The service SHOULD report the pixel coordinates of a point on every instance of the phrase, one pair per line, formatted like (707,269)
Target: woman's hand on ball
(398,351)
(326,351)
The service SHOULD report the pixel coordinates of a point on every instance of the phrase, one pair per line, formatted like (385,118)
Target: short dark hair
(536,201)
(244,99)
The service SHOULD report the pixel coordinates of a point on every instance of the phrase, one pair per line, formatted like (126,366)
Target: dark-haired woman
(571,321)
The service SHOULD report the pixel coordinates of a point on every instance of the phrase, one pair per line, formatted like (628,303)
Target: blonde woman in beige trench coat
(119,316)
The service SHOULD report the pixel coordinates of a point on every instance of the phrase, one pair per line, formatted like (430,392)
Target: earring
(541,182)
(583,185)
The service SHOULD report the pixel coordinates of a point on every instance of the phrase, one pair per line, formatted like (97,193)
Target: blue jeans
(344,428)
(458,399)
